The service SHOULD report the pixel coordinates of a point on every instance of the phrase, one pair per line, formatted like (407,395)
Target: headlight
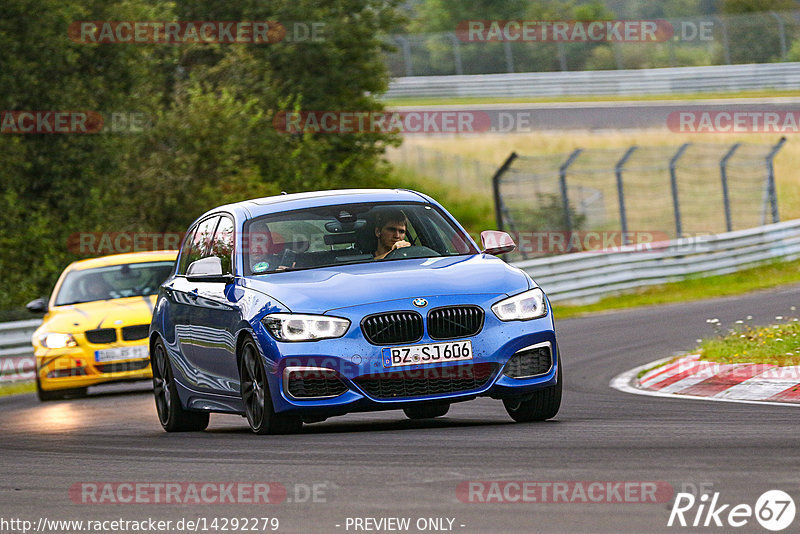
(57,341)
(297,327)
(528,305)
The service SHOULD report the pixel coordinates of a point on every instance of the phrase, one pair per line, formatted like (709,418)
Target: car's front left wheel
(543,405)
(171,414)
(258,407)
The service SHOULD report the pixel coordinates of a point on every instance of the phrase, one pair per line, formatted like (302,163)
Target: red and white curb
(688,377)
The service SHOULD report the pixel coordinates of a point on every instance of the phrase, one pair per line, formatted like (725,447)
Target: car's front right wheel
(171,414)
(258,407)
(543,405)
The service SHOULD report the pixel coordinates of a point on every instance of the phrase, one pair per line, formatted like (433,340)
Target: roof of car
(129,257)
(312,199)
(363,194)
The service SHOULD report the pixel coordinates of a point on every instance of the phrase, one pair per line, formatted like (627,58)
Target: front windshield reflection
(349,233)
(112,282)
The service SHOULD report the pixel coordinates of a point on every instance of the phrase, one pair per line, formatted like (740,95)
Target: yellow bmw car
(96,323)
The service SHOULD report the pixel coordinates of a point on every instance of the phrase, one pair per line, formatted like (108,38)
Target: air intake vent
(454,322)
(310,383)
(529,362)
(132,333)
(121,367)
(101,335)
(392,327)
(428,381)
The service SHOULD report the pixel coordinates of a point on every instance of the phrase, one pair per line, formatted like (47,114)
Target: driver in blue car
(390,230)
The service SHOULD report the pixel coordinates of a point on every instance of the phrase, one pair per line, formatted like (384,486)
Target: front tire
(542,406)
(171,414)
(426,412)
(257,401)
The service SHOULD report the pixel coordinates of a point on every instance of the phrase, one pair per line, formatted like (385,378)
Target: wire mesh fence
(711,40)
(666,192)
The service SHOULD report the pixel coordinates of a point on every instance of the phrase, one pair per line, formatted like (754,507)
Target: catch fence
(666,191)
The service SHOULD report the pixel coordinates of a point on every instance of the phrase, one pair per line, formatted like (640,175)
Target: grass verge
(475,212)
(696,288)
(777,344)
(16,388)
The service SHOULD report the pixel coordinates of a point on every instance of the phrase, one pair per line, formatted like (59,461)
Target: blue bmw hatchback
(296,308)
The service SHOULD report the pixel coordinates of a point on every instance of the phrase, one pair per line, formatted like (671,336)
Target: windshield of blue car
(349,233)
(113,282)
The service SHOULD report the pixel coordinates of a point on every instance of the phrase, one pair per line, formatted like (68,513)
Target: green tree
(210,137)
(753,33)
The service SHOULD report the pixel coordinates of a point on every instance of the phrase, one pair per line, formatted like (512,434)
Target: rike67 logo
(774,510)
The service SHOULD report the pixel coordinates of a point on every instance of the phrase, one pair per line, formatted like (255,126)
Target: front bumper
(76,367)
(367,384)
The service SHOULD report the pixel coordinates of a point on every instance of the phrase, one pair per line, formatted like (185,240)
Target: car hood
(329,288)
(114,313)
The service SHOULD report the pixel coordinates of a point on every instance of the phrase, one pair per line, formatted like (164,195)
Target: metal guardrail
(587,276)
(16,352)
(677,80)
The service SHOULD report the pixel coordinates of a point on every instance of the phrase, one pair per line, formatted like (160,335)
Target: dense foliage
(208,137)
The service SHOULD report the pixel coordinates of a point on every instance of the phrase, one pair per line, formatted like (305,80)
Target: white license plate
(451,351)
(135,352)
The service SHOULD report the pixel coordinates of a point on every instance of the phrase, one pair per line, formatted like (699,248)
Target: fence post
(783,33)
(623,218)
(456,53)
(773,195)
(498,202)
(406,46)
(674,183)
(723,173)
(509,56)
(562,56)
(726,45)
(562,181)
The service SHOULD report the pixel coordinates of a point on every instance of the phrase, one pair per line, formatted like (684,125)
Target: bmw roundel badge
(420,303)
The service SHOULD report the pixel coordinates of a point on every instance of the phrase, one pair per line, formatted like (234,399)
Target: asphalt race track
(384,466)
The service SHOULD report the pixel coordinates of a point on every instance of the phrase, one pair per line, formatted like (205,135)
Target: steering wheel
(411,252)
(287,254)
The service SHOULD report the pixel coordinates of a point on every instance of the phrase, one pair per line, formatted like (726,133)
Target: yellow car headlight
(53,340)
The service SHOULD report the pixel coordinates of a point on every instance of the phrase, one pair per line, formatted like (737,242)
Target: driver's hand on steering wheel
(401,244)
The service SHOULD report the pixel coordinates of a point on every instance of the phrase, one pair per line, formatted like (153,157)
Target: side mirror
(207,270)
(37,306)
(495,242)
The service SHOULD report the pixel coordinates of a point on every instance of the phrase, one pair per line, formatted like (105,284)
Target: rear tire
(171,414)
(426,412)
(256,397)
(542,406)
